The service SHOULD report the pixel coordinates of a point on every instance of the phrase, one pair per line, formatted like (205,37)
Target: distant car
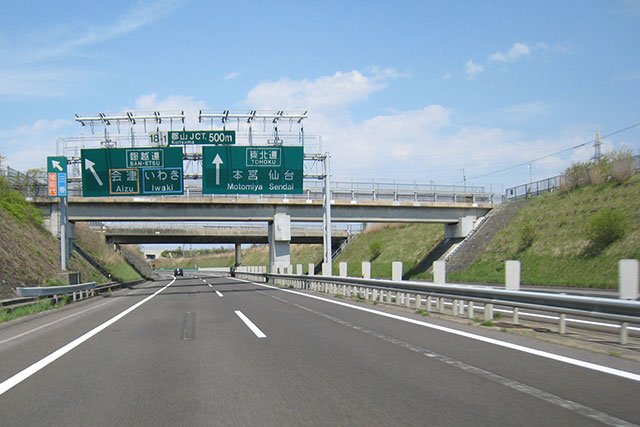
(178,272)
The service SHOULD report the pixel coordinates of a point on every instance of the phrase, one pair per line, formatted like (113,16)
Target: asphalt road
(224,352)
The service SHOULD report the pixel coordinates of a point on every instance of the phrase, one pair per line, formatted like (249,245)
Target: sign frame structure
(135,171)
(193,137)
(57,176)
(253,169)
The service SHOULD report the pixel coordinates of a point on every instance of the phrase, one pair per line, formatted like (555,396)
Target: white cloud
(173,103)
(27,146)
(378,73)
(323,93)
(446,76)
(232,75)
(517,51)
(429,143)
(59,42)
(473,69)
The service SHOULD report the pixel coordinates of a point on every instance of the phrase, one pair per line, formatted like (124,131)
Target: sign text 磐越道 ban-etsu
(131,171)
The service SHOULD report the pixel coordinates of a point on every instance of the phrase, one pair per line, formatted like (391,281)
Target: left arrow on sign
(56,165)
(88,164)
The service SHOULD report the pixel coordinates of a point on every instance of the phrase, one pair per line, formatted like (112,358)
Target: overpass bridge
(183,233)
(456,207)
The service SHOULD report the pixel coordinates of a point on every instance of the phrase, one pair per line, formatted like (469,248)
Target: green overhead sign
(252,170)
(131,171)
(193,137)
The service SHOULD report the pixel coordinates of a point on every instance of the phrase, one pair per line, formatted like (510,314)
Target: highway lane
(185,356)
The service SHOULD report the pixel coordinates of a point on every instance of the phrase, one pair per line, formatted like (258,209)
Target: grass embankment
(255,255)
(94,244)
(409,243)
(42,305)
(383,244)
(549,237)
(30,255)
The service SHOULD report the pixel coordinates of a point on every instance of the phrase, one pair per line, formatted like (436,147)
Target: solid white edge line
(250,324)
(42,363)
(517,347)
(30,331)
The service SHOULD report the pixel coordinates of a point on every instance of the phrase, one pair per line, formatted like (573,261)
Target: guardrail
(56,290)
(30,295)
(417,295)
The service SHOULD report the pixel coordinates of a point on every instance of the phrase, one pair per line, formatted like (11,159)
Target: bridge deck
(225,209)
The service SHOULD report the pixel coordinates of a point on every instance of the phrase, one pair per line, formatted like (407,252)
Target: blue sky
(405,91)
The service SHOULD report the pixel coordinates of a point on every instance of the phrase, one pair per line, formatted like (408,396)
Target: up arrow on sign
(217,161)
(56,165)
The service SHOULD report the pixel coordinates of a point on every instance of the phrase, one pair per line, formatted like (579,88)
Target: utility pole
(597,154)
(464,179)
(326,212)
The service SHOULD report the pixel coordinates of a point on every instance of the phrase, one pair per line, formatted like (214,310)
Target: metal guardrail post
(54,290)
(621,312)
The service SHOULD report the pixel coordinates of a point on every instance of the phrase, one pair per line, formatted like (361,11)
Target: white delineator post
(396,271)
(312,268)
(512,283)
(629,278)
(343,269)
(512,276)
(326,269)
(366,270)
(439,272)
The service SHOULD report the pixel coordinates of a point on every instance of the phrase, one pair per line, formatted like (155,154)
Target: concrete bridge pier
(279,243)
(459,229)
(52,223)
(238,254)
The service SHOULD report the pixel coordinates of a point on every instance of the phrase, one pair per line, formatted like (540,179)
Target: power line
(528,162)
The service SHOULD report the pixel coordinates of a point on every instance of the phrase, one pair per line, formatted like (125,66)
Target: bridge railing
(353,192)
(349,228)
(544,186)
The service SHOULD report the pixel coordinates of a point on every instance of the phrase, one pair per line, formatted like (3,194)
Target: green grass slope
(94,244)
(409,243)
(559,252)
(255,255)
(30,255)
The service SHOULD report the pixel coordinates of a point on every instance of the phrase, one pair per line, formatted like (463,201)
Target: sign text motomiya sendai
(191,137)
